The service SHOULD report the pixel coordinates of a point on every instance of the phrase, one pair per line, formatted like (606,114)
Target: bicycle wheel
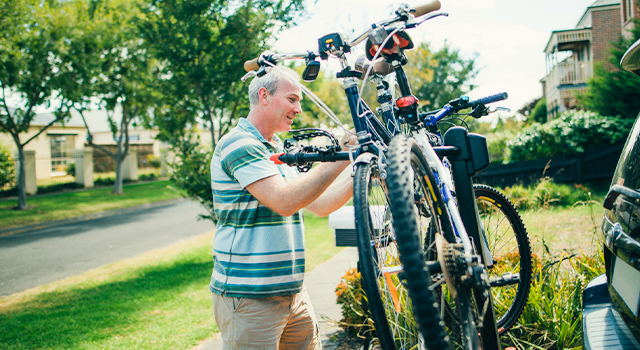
(508,242)
(419,216)
(379,264)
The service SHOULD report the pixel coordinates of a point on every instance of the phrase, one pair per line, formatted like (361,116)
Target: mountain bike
(374,223)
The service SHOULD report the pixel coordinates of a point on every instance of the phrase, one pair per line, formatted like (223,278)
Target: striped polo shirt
(256,251)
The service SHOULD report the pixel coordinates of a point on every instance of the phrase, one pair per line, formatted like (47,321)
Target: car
(611,302)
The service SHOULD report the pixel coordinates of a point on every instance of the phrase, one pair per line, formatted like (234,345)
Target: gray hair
(270,81)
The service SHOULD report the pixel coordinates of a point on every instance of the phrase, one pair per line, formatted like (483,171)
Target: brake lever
(248,75)
(428,17)
(496,109)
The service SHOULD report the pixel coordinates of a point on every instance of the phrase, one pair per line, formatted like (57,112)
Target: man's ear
(263,96)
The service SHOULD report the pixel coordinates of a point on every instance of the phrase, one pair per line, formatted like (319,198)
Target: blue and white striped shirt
(256,251)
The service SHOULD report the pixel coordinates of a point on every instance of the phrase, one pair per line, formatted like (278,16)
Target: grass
(157,300)
(567,255)
(71,204)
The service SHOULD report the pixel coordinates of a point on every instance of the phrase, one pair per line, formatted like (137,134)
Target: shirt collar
(246,125)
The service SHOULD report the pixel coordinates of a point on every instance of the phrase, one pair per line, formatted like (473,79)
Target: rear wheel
(379,263)
(508,242)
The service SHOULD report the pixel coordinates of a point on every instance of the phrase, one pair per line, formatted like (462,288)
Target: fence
(46,171)
(596,166)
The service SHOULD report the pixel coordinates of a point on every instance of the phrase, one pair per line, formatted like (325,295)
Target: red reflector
(406,101)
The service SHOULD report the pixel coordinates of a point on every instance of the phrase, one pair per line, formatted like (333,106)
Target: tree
(203,46)
(31,40)
(108,62)
(615,92)
(539,112)
(437,78)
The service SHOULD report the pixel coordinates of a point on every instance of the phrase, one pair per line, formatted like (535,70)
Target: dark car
(611,301)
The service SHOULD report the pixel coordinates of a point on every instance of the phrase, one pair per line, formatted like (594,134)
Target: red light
(406,101)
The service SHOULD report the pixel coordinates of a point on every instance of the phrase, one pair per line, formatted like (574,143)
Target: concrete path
(38,254)
(321,284)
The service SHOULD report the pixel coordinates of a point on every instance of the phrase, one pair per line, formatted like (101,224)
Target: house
(54,148)
(61,144)
(571,54)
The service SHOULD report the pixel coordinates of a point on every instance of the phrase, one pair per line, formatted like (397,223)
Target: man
(259,299)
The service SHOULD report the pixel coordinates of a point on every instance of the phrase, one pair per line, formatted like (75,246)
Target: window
(62,147)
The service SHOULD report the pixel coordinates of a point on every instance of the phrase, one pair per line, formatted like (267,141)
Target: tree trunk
(22,178)
(117,184)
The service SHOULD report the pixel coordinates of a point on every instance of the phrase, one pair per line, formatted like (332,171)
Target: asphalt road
(29,259)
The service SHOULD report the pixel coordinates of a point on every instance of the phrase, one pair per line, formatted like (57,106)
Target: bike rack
(473,156)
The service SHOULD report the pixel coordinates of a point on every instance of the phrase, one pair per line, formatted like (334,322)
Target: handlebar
(274,58)
(301,158)
(402,15)
(489,99)
(459,104)
(422,10)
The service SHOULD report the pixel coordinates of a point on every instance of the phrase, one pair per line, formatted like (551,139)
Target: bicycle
(507,249)
(370,162)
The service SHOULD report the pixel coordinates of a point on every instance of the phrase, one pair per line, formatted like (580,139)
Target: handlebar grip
(422,10)
(251,65)
(276,157)
(490,99)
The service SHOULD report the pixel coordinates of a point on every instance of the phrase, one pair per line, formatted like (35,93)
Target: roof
(595,5)
(96,119)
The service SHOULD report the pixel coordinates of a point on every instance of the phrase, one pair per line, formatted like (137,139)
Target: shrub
(350,296)
(71,169)
(191,173)
(153,161)
(572,133)
(547,193)
(552,318)
(7,168)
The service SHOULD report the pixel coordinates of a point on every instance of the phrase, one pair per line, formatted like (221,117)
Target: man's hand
(349,138)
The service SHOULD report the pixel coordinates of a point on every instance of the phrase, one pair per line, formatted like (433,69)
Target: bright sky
(508,35)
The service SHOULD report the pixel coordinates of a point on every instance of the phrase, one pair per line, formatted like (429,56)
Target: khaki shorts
(284,322)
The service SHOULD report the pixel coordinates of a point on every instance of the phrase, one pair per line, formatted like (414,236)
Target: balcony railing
(559,38)
(569,72)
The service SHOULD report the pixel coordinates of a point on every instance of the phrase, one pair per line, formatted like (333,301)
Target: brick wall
(606,28)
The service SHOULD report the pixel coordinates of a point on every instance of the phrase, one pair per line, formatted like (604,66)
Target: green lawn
(157,300)
(71,204)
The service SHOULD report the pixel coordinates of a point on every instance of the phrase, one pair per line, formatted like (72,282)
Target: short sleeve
(247,160)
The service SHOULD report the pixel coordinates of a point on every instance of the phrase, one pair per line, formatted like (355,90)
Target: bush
(547,193)
(7,167)
(71,169)
(191,173)
(350,296)
(154,162)
(552,318)
(572,133)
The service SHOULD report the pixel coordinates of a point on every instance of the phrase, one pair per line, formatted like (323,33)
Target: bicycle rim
(379,263)
(508,242)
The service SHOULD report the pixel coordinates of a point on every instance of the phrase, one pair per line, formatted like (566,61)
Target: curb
(102,214)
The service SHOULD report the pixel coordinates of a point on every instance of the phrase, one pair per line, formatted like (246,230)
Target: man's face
(285,105)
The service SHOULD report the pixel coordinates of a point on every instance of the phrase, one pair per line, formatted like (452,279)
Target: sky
(509,36)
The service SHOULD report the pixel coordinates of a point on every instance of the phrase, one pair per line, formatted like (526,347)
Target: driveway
(32,258)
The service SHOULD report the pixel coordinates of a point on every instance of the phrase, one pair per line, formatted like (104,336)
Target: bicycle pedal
(504,280)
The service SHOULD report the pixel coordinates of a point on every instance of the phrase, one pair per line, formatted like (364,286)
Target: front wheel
(419,216)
